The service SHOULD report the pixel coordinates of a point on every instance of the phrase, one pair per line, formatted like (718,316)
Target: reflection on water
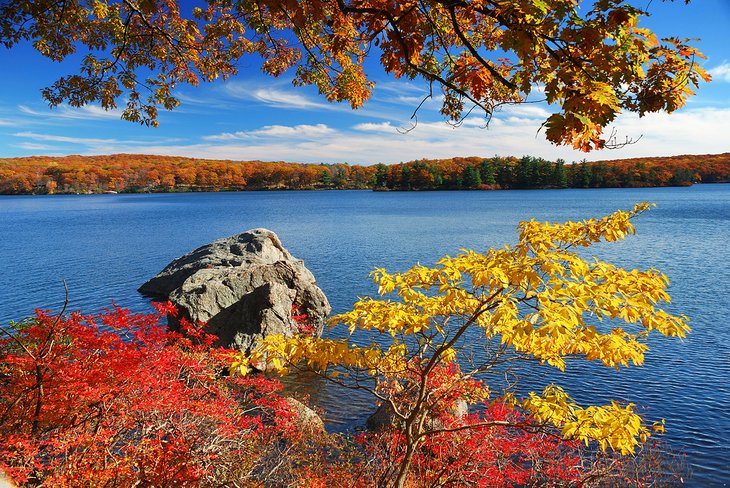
(105,246)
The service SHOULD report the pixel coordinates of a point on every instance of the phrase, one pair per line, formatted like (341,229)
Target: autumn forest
(142,173)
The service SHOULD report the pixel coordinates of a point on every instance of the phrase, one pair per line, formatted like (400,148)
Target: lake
(106,246)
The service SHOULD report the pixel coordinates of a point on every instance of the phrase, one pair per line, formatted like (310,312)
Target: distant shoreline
(127,173)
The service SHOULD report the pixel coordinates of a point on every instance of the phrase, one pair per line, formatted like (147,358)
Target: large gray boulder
(244,287)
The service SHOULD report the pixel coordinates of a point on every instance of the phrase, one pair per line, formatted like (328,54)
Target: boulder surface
(385,417)
(244,287)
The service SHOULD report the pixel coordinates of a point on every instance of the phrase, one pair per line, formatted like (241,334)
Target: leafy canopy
(537,300)
(590,58)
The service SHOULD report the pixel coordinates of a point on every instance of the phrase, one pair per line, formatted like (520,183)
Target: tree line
(531,172)
(141,173)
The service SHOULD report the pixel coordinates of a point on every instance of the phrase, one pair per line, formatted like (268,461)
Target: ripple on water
(106,246)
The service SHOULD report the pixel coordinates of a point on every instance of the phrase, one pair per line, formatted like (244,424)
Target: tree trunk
(405,466)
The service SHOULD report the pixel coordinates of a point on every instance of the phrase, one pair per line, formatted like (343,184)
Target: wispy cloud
(66,112)
(382,127)
(32,146)
(721,72)
(686,132)
(526,111)
(400,87)
(513,131)
(60,144)
(302,131)
(273,96)
(65,139)
(280,96)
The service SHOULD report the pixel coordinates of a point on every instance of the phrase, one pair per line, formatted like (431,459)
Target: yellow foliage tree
(536,300)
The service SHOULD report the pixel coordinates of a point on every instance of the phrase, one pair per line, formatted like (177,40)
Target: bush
(117,400)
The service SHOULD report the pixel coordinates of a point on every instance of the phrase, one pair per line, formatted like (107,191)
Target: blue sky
(256,117)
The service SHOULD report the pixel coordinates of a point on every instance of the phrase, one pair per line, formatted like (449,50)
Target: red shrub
(117,399)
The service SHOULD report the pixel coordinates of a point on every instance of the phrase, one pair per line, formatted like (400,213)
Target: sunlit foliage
(538,300)
(590,59)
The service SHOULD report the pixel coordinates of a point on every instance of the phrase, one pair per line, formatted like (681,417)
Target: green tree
(526,172)
(560,178)
(544,173)
(438,179)
(682,177)
(486,171)
(340,178)
(505,173)
(381,176)
(325,177)
(471,177)
(598,174)
(583,176)
(405,177)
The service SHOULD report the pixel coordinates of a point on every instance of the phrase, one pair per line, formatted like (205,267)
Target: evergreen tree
(381,176)
(560,178)
(405,177)
(544,173)
(505,173)
(598,174)
(325,177)
(438,179)
(471,177)
(526,172)
(584,175)
(486,171)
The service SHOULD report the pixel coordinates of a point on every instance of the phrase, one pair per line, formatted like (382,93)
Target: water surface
(105,246)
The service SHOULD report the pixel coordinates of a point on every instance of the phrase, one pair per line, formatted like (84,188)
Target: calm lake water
(105,246)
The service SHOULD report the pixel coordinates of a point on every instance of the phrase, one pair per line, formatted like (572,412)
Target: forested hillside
(142,173)
(531,172)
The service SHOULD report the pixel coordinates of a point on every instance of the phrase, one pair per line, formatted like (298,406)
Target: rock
(385,417)
(243,287)
(308,420)
(382,418)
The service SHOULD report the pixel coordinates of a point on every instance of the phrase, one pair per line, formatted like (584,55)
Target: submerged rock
(385,417)
(244,287)
(308,420)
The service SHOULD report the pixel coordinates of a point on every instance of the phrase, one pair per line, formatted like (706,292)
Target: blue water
(105,246)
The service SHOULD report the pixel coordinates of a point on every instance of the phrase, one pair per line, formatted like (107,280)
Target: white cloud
(283,99)
(513,131)
(721,72)
(410,100)
(85,145)
(279,96)
(401,87)
(303,131)
(66,139)
(272,96)
(33,146)
(385,127)
(528,111)
(66,112)
(691,131)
